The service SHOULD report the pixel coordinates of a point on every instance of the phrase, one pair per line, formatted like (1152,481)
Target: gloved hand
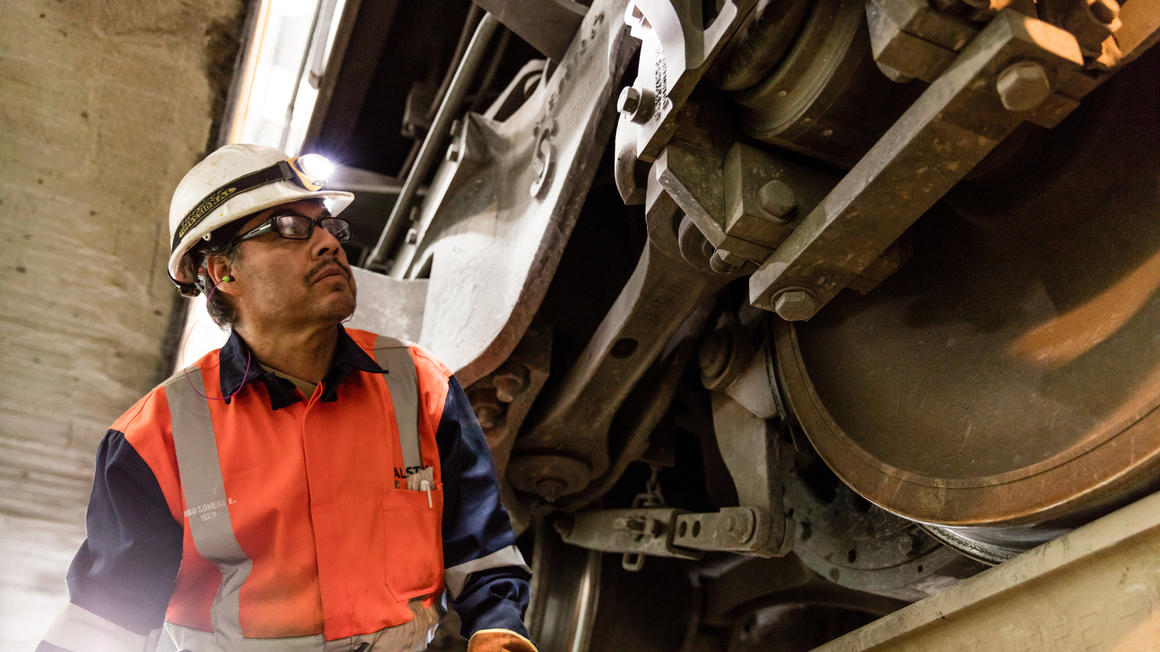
(499,640)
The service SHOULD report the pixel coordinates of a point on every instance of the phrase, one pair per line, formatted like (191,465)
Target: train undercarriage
(778,315)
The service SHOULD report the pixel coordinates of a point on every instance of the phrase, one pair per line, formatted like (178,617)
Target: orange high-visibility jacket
(297,520)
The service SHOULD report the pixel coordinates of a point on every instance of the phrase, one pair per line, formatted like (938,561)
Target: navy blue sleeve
(475,523)
(126,568)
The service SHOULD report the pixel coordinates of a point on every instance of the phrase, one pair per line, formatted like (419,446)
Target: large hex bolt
(795,305)
(636,104)
(777,199)
(1023,86)
(488,413)
(508,382)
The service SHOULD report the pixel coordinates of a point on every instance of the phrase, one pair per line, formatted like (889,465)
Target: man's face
(281,282)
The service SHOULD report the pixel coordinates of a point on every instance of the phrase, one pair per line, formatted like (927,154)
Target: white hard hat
(236,181)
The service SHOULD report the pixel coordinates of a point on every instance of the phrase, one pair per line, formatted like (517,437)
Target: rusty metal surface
(945,133)
(1010,374)
(494,256)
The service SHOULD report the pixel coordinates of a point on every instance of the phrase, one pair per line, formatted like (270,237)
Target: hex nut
(795,305)
(1023,86)
(488,414)
(508,383)
(629,100)
(636,104)
(777,199)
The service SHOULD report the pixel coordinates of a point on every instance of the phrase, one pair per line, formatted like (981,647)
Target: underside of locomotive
(777,314)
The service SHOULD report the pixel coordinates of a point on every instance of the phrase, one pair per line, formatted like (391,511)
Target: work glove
(499,640)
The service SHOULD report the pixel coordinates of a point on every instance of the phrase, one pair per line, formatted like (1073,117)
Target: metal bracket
(960,118)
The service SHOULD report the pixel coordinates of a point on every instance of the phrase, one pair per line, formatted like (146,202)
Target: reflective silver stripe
(403,382)
(79,629)
(455,578)
(414,634)
(207,506)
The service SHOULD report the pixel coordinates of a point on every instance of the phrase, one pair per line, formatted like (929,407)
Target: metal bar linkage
(464,75)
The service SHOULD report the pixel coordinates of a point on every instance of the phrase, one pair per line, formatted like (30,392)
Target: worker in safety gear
(305,487)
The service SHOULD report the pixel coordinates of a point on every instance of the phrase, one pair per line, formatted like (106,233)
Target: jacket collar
(238,368)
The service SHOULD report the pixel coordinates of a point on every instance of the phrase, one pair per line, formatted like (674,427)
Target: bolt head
(629,100)
(1105,11)
(550,489)
(1023,86)
(488,414)
(508,384)
(412,236)
(777,199)
(636,104)
(795,305)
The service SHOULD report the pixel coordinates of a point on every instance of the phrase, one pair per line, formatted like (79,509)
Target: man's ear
(218,270)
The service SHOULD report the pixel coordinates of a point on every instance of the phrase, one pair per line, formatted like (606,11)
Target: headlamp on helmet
(233,183)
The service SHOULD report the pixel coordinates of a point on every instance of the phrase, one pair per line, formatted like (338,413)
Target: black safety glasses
(298,227)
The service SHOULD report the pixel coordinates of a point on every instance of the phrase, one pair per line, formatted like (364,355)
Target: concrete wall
(103,106)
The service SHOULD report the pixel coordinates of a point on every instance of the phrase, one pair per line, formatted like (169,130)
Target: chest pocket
(412,512)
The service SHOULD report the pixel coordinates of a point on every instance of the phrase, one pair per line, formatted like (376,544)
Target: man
(305,487)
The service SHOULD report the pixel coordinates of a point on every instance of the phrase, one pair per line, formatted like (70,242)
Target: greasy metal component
(428,152)
(981,386)
(911,40)
(1091,21)
(491,250)
(795,304)
(1095,588)
(827,98)
(573,417)
(646,531)
(694,248)
(676,50)
(547,25)
(732,529)
(757,460)
(549,476)
(717,183)
(1023,86)
(654,393)
(947,131)
(388,305)
(754,385)
(759,44)
(855,544)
